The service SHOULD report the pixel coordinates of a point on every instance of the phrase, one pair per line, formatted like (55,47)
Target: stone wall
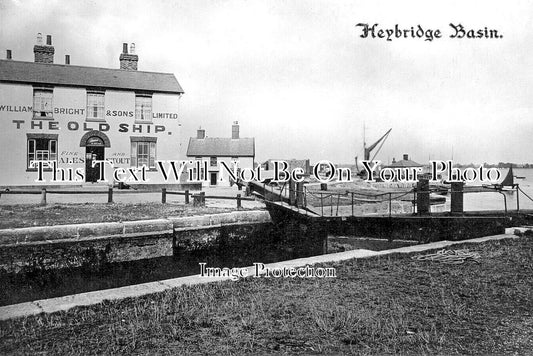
(91,245)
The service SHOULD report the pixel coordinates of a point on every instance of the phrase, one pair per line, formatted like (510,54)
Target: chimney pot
(67,59)
(200,134)
(44,53)
(8,54)
(235,130)
(405,157)
(128,61)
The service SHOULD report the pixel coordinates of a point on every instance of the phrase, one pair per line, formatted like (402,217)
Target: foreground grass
(387,305)
(15,216)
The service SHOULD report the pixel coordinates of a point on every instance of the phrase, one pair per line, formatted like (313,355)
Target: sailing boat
(507,184)
(368,150)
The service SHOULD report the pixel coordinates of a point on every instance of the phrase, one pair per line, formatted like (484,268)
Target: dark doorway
(93,151)
(213,180)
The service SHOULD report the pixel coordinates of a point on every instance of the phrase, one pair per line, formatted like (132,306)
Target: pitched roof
(404,163)
(221,146)
(78,76)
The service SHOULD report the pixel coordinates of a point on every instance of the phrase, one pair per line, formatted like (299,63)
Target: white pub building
(74,115)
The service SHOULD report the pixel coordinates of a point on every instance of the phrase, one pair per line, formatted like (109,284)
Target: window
(143,108)
(143,152)
(198,163)
(233,160)
(42,103)
(212,161)
(95,106)
(41,147)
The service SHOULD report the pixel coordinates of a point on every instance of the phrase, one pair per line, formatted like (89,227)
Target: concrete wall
(91,245)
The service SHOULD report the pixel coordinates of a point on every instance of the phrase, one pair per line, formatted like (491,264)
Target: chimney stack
(235,130)
(44,53)
(200,134)
(67,59)
(405,157)
(8,54)
(128,61)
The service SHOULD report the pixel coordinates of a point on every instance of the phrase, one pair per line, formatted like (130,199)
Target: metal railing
(326,203)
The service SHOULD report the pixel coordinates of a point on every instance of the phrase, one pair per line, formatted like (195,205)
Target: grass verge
(381,305)
(16,216)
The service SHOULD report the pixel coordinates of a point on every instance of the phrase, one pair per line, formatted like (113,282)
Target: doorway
(94,151)
(213,178)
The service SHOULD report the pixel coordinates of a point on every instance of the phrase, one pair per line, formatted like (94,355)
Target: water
(237,246)
(495,201)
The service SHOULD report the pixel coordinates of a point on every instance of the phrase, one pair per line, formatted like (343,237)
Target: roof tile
(70,75)
(221,146)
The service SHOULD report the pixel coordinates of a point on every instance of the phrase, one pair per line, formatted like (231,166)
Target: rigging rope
(525,194)
(455,257)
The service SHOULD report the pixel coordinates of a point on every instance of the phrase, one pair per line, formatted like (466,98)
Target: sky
(299,78)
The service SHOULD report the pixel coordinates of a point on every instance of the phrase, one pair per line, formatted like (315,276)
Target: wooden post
(300,194)
(517,199)
(239,201)
(422,197)
(292,195)
(390,204)
(187,196)
(163,195)
(352,203)
(43,196)
(202,198)
(456,197)
(110,195)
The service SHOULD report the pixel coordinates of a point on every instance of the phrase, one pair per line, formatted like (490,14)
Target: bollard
(43,196)
(163,195)
(299,194)
(422,197)
(292,196)
(187,196)
(239,201)
(456,204)
(202,198)
(110,195)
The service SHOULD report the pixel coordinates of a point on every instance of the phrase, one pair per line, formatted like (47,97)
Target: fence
(43,192)
(198,197)
(328,203)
